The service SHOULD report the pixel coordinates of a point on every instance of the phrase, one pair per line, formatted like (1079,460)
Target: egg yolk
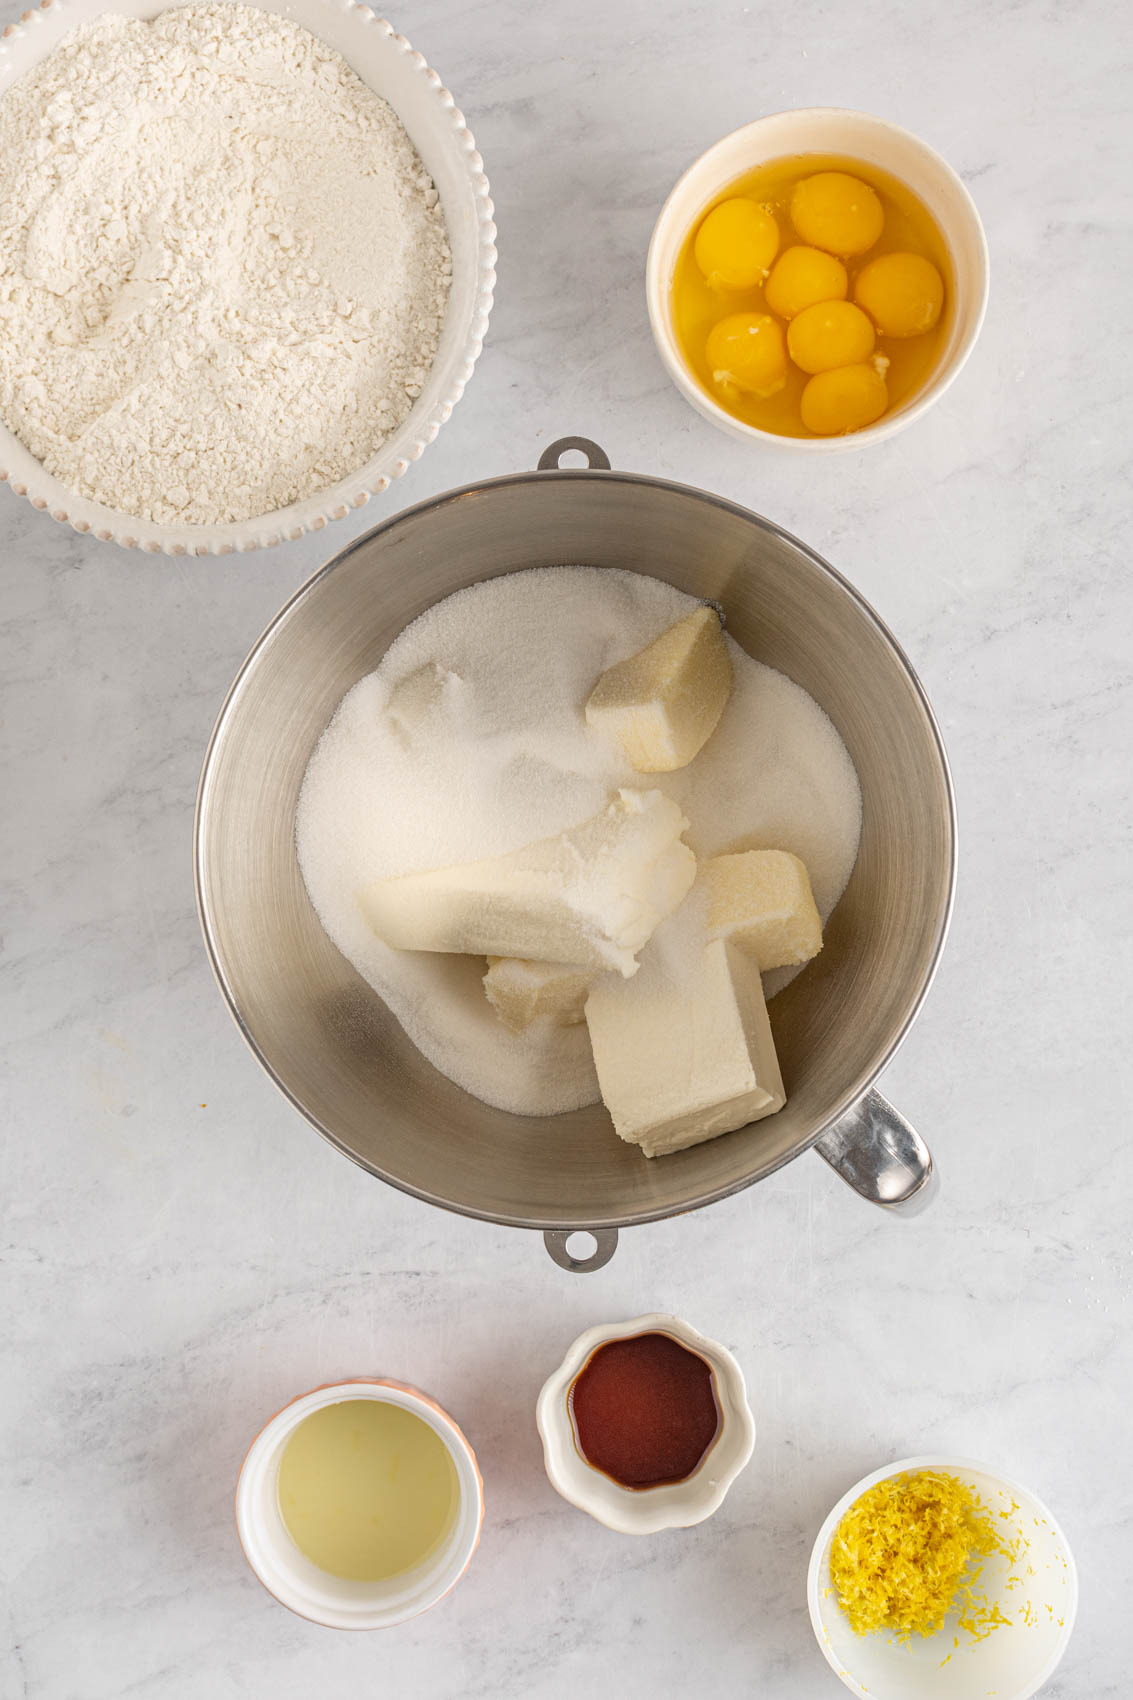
(829,334)
(746,352)
(835,211)
(902,293)
(800,277)
(736,244)
(843,400)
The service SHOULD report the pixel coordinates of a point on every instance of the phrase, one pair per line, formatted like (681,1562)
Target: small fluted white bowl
(1013,1662)
(387,63)
(644,1511)
(856,135)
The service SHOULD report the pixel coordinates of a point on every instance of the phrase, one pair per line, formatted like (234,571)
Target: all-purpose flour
(223,266)
(501,755)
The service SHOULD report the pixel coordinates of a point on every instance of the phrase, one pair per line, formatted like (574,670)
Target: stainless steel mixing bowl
(329,1042)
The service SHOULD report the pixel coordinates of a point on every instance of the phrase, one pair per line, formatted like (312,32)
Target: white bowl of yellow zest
(821,131)
(1010,1621)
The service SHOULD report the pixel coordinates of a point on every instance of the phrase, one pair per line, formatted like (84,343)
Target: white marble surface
(181,1253)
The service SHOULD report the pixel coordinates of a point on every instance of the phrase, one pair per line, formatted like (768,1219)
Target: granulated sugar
(487,750)
(223,266)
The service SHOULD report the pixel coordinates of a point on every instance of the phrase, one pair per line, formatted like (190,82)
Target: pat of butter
(682,1060)
(761,901)
(590,896)
(521,991)
(662,704)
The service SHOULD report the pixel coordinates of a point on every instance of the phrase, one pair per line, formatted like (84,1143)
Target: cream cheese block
(683,1058)
(590,896)
(521,991)
(761,901)
(417,701)
(662,704)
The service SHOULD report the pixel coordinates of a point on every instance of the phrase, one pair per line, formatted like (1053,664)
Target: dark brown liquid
(644,1410)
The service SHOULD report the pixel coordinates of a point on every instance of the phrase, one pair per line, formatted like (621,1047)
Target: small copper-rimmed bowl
(332,1600)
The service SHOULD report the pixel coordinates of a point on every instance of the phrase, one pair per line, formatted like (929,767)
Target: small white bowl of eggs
(784,299)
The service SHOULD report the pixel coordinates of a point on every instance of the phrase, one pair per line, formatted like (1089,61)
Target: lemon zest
(906,1553)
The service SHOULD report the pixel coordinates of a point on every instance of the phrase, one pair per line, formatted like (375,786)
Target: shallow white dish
(1012,1663)
(644,1511)
(825,130)
(313,1593)
(390,66)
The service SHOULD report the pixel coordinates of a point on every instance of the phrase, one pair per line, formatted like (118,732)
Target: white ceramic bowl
(643,1511)
(825,130)
(313,1593)
(390,66)
(1012,1662)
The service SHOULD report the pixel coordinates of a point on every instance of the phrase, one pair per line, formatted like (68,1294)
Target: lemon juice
(367,1490)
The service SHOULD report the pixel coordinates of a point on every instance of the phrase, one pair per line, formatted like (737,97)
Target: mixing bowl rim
(564,1220)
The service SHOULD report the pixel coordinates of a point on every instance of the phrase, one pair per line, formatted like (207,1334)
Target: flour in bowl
(470,740)
(223,266)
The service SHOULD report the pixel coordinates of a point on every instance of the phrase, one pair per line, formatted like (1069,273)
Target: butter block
(521,991)
(681,1060)
(662,704)
(590,896)
(761,901)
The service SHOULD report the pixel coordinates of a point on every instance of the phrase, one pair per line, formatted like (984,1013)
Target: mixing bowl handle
(597,459)
(876,1152)
(605,1245)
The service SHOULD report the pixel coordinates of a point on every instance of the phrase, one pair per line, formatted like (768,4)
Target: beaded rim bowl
(389,65)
